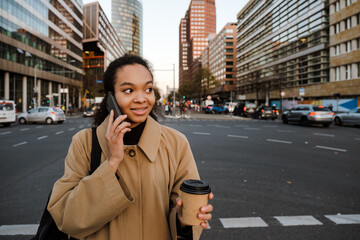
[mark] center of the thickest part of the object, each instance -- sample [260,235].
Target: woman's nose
[140,98]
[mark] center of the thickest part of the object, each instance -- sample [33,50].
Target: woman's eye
[128,90]
[149,90]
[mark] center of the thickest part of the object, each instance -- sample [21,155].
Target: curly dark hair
[109,80]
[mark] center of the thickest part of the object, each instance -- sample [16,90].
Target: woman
[134,193]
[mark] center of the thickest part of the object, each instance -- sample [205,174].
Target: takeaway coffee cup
[194,196]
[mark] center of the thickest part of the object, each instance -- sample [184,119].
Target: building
[199,22]
[41,53]
[345,51]
[283,53]
[127,20]
[222,63]
[101,46]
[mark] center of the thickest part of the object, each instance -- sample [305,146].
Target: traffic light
[183,97]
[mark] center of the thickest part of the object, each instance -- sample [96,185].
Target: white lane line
[252,128]
[324,135]
[245,222]
[201,133]
[344,218]
[70,129]
[278,141]
[42,137]
[39,127]
[24,229]
[357,139]
[24,129]
[81,126]
[331,148]
[286,131]
[59,132]
[19,144]
[3,133]
[237,136]
[195,125]
[270,126]
[298,220]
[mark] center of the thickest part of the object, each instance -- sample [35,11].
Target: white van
[7,112]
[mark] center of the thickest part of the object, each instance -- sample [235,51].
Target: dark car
[307,114]
[216,109]
[265,112]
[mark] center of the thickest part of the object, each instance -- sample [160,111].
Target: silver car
[352,117]
[306,114]
[46,115]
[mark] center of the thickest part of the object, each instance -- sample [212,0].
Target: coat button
[132,153]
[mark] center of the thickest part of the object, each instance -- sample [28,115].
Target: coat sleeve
[184,168]
[80,203]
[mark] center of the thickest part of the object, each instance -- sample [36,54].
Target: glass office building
[282,46]
[127,20]
[41,52]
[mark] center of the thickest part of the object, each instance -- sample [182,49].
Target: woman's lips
[139,111]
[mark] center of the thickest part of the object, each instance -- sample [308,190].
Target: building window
[337,6]
[348,71]
[337,28]
[337,74]
[337,49]
[348,46]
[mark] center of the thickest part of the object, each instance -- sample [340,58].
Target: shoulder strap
[95,151]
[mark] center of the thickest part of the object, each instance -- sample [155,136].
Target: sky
[161,19]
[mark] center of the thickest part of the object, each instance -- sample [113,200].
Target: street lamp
[168,70]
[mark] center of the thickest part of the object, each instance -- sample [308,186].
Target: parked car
[8,112]
[216,109]
[351,117]
[265,112]
[89,112]
[307,114]
[46,115]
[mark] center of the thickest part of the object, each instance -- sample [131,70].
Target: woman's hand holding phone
[115,139]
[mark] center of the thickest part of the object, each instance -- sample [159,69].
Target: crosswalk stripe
[344,218]
[245,222]
[24,229]
[298,220]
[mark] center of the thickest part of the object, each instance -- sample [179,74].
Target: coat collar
[149,141]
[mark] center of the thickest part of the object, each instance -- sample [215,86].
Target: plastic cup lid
[193,186]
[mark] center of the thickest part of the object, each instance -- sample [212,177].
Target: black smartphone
[111,104]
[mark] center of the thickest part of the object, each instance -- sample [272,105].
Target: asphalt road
[270,180]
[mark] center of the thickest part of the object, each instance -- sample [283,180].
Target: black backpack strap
[95,151]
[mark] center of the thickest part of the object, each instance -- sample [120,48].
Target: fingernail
[203,209]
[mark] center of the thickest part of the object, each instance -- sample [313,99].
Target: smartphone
[111,104]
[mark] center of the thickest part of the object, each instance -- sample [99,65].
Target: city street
[270,180]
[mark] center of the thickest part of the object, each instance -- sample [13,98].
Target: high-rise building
[283,52]
[199,22]
[345,48]
[41,52]
[127,20]
[101,46]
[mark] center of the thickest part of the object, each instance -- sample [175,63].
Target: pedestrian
[166,109]
[134,193]
[331,107]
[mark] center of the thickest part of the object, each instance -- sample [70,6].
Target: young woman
[134,193]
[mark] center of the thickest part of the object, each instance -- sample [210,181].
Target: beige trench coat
[138,206]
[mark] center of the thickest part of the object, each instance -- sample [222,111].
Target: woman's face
[134,92]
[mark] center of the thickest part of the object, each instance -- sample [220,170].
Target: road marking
[42,137]
[201,133]
[59,132]
[298,220]
[195,125]
[81,126]
[24,129]
[3,133]
[19,144]
[219,126]
[278,141]
[241,125]
[344,218]
[252,128]
[286,131]
[23,229]
[357,139]
[270,126]
[70,129]
[324,135]
[39,126]
[331,148]
[237,136]
[245,222]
